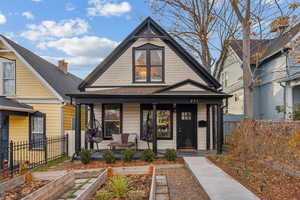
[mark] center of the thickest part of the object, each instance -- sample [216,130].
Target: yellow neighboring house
[33,103]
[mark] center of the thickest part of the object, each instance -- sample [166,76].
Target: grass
[50,164]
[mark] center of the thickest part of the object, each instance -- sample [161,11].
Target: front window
[37,130]
[9,79]
[111,120]
[164,121]
[148,64]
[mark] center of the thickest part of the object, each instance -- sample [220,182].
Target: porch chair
[94,135]
[124,140]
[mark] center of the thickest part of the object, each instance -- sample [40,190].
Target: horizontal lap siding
[69,113]
[27,84]
[18,128]
[120,72]
[53,117]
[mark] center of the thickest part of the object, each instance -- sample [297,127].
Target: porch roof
[147,95]
[8,104]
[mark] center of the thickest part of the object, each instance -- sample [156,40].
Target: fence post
[67,144]
[45,149]
[11,158]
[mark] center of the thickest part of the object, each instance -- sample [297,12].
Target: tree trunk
[247,74]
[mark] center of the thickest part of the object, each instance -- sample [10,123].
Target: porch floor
[97,155]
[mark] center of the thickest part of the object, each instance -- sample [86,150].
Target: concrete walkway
[217,184]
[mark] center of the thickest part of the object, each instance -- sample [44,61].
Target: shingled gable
[149,29]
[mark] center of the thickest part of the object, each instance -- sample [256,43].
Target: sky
[83,32]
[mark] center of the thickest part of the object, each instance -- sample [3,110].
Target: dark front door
[186,126]
[4,138]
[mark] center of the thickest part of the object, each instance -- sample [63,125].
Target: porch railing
[20,156]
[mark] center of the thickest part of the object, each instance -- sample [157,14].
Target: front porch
[177,117]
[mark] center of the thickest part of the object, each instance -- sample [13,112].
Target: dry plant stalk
[272,141]
[109,172]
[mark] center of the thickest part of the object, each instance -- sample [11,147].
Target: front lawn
[265,182]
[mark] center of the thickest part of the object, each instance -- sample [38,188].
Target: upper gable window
[148,64]
[8,71]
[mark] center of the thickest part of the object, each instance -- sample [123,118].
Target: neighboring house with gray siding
[277,76]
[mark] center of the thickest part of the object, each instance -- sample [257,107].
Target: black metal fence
[24,155]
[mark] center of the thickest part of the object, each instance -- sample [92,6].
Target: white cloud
[107,8]
[82,52]
[91,46]
[2,19]
[47,30]
[28,15]
[36,0]
[70,7]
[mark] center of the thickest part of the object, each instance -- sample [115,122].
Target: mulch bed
[267,183]
[22,190]
[68,165]
[136,183]
[182,185]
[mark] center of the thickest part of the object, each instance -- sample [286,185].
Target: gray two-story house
[276,76]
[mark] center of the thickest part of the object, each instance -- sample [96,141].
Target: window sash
[149,66]
[112,121]
[37,132]
[163,131]
[9,84]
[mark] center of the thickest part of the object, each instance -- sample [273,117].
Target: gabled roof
[57,81]
[186,82]
[268,47]
[149,28]
[14,105]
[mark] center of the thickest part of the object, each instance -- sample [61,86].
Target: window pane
[8,70]
[9,87]
[164,124]
[140,57]
[111,127]
[147,124]
[140,73]
[112,112]
[156,57]
[112,119]
[156,73]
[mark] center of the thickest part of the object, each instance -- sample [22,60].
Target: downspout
[284,86]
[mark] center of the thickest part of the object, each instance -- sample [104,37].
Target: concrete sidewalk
[217,184]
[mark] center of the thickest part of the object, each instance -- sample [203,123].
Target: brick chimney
[63,66]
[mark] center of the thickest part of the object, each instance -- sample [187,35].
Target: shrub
[109,156]
[128,155]
[104,196]
[118,186]
[148,155]
[136,195]
[85,156]
[171,155]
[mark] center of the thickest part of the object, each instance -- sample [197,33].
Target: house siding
[69,114]
[120,72]
[131,124]
[269,94]
[27,84]
[18,128]
[232,67]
